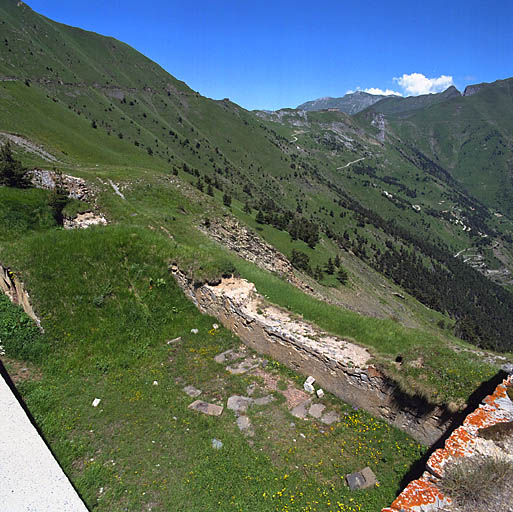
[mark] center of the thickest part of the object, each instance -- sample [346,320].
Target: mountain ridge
[319,177]
[350,103]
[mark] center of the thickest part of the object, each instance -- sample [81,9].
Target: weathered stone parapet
[11,285]
[338,365]
[425,494]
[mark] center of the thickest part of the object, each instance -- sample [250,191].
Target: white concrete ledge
[31,480]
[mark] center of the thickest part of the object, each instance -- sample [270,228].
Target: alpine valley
[383,221]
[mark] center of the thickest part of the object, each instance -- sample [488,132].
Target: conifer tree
[12,173]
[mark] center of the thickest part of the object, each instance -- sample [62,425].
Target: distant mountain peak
[472,89]
[351,103]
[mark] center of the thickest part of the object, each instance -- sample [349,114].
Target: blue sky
[269,55]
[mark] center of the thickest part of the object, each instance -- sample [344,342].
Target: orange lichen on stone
[500,392]
[484,416]
[421,495]
[459,444]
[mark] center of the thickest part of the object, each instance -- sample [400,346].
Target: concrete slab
[301,410]
[361,479]
[206,408]
[330,417]
[31,480]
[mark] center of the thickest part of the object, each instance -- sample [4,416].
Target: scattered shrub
[475,481]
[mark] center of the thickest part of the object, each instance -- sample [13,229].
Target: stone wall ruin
[339,366]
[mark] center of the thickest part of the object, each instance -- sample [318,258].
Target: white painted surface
[31,480]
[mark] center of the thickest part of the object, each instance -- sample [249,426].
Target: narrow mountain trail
[29,146]
[351,163]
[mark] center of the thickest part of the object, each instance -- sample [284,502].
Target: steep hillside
[471,137]
[397,106]
[340,221]
[323,184]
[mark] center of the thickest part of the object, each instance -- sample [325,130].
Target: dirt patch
[292,394]
[20,371]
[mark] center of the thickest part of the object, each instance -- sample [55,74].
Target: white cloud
[415,84]
[386,92]
[375,90]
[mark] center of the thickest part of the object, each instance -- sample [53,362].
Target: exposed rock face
[472,89]
[28,145]
[425,494]
[11,285]
[338,366]
[233,235]
[84,220]
[75,187]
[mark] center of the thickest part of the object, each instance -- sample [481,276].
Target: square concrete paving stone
[301,410]
[206,408]
[361,479]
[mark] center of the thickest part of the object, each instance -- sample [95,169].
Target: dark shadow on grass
[5,375]
[455,421]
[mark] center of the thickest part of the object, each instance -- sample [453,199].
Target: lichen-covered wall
[11,285]
[425,494]
[338,365]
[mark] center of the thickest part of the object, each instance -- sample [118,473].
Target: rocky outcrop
[12,286]
[338,365]
[248,245]
[28,146]
[472,89]
[76,188]
[425,494]
[84,220]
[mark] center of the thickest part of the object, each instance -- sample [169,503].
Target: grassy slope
[106,330]
[106,327]
[471,136]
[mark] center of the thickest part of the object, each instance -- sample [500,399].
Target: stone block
[330,417]
[265,400]
[239,404]
[244,425]
[301,410]
[206,408]
[308,388]
[316,410]
[361,479]
[192,391]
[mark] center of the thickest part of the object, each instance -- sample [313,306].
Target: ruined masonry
[424,494]
[337,365]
